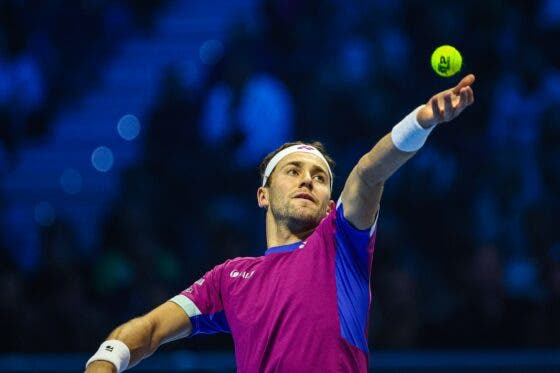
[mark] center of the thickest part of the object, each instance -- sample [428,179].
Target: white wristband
[408,135]
[113,351]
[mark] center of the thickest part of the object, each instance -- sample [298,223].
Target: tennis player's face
[299,191]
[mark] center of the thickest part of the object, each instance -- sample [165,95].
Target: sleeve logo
[241,274]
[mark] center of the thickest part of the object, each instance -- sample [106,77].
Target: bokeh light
[128,127]
[102,159]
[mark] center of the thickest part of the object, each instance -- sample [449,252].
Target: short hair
[316,144]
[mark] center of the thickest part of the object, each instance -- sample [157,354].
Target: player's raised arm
[139,338]
[364,186]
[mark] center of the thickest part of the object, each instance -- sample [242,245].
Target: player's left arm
[363,188]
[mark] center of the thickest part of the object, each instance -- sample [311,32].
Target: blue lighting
[44,214]
[128,127]
[191,74]
[102,159]
[211,51]
[71,181]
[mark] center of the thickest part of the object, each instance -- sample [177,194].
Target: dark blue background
[100,222]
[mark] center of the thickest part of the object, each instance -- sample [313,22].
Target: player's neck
[279,234]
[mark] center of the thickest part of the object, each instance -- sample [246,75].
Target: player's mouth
[306,196]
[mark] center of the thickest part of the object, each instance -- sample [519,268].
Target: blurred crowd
[468,254]
[51,54]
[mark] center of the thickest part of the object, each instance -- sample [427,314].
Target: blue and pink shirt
[301,307]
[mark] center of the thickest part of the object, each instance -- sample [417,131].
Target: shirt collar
[284,248]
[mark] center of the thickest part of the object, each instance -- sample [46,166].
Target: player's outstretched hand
[447,104]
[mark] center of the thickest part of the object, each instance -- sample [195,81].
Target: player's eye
[292,172]
[320,178]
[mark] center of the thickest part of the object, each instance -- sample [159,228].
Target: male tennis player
[303,306]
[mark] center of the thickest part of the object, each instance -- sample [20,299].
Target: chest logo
[241,274]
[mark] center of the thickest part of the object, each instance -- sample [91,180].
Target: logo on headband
[306,147]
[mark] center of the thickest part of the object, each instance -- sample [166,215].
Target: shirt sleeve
[202,302]
[353,263]
[357,244]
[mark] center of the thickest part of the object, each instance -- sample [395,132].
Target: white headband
[298,148]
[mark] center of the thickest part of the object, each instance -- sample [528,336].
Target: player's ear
[262,197]
[331,206]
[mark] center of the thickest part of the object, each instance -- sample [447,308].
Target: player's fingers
[458,101]
[466,99]
[448,107]
[466,96]
[470,95]
[436,109]
[465,82]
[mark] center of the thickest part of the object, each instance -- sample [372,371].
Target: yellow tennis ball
[446,60]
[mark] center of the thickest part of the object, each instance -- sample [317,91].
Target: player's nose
[306,180]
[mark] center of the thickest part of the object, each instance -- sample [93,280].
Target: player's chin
[302,206]
[308,214]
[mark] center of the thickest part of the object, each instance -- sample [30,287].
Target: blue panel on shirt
[283,248]
[210,324]
[352,280]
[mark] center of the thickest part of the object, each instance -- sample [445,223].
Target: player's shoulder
[238,263]
[243,261]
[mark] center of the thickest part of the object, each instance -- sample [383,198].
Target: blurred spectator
[488,317]
[546,325]
[399,325]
